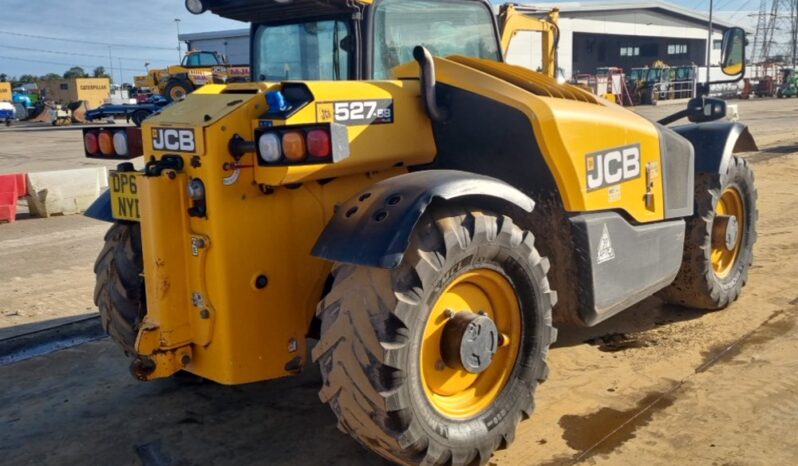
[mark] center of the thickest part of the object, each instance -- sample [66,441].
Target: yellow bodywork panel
[405,142]
[202,274]
[570,132]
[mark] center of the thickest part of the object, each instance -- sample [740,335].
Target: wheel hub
[469,341]
[727,231]
[724,231]
[464,370]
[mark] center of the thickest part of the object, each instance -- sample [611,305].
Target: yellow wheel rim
[723,258]
[177,92]
[457,393]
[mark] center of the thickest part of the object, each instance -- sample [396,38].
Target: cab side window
[444,27]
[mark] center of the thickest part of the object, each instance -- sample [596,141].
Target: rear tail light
[269,147]
[120,143]
[112,143]
[306,144]
[90,143]
[294,146]
[319,143]
[106,139]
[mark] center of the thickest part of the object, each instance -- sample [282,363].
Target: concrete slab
[65,191]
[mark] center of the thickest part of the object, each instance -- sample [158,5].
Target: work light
[196,7]
[120,143]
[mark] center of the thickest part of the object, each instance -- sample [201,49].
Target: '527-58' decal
[356,112]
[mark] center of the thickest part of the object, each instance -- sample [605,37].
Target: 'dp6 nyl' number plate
[124,196]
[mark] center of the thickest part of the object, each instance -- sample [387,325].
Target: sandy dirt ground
[47,270]
[656,384]
[32,147]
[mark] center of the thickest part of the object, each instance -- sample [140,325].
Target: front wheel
[719,240]
[177,89]
[438,360]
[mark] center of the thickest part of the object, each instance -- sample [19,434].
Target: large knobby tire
[383,329]
[177,89]
[139,116]
[712,274]
[119,290]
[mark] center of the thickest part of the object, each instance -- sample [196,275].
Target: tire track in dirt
[608,429]
[733,409]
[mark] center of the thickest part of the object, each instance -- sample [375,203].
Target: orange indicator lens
[294,146]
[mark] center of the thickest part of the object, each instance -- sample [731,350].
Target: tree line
[74,72]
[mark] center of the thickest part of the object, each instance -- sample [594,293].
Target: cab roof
[271,11]
[262,11]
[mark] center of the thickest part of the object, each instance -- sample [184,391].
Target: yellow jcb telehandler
[197,69]
[390,188]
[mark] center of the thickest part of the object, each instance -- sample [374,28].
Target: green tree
[3,77]
[26,78]
[99,72]
[75,72]
[50,77]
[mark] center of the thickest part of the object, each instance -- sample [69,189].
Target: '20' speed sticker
[356,112]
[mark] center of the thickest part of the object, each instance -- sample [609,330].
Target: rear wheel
[437,361]
[119,290]
[719,240]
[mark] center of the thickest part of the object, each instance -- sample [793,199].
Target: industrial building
[234,44]
[625,35]
[592,35]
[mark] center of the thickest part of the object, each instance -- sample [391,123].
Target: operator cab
[200,60]
[340,40]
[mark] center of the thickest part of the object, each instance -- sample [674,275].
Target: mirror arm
[675,117]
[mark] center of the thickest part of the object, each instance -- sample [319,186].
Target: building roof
[227,34]
[660,6]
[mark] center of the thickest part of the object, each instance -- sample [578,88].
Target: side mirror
[702,109]
[732,52]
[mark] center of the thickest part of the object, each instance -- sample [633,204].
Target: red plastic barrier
[8,207]
[22,184]
[12,187]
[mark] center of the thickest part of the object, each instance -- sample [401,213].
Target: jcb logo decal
[181,140]
[612,166]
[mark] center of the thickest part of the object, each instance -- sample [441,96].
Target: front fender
[715,142]
[100,209]
[374,227]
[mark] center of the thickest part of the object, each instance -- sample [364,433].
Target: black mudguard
[100,209]
[715,143]
[374,227]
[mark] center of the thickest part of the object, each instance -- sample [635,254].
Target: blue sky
[146,32]
[141,32]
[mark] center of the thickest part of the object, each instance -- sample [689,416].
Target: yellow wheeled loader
[389,189]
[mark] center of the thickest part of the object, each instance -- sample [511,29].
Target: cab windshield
[444,27]
[200,59]
[313,50]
